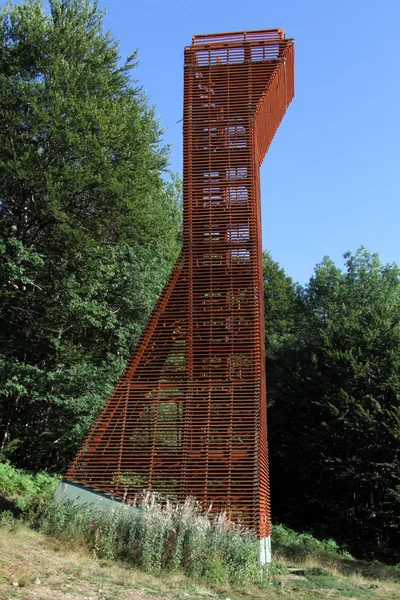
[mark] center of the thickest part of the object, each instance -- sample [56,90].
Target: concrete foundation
[69,492]
[264,550]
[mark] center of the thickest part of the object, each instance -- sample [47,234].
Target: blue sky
[330,181]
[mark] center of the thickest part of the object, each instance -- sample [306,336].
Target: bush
[160,536]
[7,520]
[294,545]
[27,491]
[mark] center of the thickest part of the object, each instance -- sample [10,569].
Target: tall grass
[160,536]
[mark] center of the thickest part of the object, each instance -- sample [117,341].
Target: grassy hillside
[34,566]
[50,551]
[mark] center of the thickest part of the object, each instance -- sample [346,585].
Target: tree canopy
[82,196]
[334,419]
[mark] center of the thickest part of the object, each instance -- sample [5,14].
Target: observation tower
[188,415]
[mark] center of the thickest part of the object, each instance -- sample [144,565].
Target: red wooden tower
[188,416]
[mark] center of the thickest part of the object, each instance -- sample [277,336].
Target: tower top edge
[257,35]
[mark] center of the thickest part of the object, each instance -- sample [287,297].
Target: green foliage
[25,490]
[281,302]
[7,520]
[296,545]
[160,536]
[283,317]
[334,425]
[82,254]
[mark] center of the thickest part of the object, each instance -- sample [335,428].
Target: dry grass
[36,567]
[364,579]
[341,566]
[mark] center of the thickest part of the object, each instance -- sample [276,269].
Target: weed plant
[24,489]
[160,536]
[7,520]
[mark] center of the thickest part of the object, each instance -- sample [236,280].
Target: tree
[283,315]
[82,196]
[334,429]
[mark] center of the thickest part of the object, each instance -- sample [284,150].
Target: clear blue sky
[330,181]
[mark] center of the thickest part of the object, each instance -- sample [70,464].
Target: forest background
[90,226]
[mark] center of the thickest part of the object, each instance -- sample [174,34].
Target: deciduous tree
[88,227]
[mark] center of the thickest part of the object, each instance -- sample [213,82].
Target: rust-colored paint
[188,416]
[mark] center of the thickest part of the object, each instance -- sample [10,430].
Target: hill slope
[37,567]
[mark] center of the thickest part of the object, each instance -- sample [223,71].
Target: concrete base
[264,550]
[73,492]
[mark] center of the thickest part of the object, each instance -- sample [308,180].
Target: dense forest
[333,375]
[90,226]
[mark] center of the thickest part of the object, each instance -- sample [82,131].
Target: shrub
[27,491]
[294,544]
[7,520]
[160,536]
